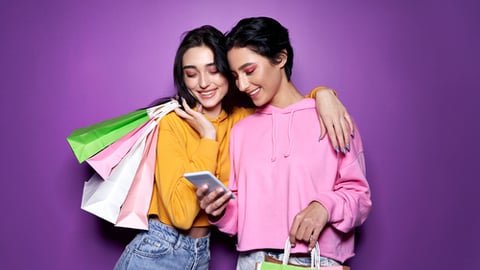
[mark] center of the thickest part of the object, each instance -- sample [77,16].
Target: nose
[204,81]
[242,83]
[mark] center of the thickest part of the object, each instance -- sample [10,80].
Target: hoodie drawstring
[290,135]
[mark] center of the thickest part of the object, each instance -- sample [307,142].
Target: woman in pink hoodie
[287,183]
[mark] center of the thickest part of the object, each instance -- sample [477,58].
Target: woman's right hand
[213,203]
[197,120]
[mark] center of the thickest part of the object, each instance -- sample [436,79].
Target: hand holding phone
[205,177]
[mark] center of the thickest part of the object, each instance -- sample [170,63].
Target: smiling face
[256,75]
[203,79]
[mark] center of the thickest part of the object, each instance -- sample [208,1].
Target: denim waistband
[177,239]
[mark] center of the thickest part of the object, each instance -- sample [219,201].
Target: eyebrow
[194,67]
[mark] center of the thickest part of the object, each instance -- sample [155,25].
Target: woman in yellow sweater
[198,139]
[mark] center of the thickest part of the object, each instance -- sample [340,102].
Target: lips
[207,93]
[254,92]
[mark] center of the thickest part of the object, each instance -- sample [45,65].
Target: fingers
[308,224]
[333,137]
[293,232]
[200,108]
[218,207]
[202,192]
[322,129]
[215,202]
[182,114]
[340,134]
[313,239]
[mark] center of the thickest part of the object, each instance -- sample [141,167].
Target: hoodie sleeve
[228,223]
[349,204]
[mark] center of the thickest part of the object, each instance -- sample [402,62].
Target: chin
[258,103]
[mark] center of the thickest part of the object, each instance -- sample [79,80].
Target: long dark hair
[265,36]
[212,38]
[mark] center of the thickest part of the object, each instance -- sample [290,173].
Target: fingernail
[320,138]
[337,149]
[348,147]
[353,134]
[344,151]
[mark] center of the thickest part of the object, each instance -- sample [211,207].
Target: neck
[286,96]
[213,112]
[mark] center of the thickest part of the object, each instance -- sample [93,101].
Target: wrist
[320,90]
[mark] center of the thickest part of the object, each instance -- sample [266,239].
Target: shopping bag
[134,211]
[273,264]
[104,198]
[104,161]
[87,141]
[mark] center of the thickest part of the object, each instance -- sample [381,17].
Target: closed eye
[249,70]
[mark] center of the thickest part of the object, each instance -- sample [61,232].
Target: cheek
[221,82]
[191,83]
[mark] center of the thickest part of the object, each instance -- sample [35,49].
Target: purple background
[407,71]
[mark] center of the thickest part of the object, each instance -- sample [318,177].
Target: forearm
[173,160]
[349,203]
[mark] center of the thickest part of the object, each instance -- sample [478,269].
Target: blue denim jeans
[248,260]
[162,247]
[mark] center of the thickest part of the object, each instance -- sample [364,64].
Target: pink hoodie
[278,167]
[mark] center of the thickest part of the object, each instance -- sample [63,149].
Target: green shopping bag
[271,263]
[87,141]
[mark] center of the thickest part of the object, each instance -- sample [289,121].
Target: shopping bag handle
[162,109]
[315,255]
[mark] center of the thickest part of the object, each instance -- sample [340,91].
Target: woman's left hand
[334,120]
[308,224]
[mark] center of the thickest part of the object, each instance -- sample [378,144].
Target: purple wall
[405,69]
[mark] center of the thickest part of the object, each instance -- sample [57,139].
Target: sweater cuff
[313,93]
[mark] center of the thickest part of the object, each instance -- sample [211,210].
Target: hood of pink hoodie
[290,110]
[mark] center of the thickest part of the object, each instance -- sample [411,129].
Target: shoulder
[240,113]
[250,122]
[171,120]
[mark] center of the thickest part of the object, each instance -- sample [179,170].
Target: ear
[281,58]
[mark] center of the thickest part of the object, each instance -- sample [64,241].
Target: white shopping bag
[104,198]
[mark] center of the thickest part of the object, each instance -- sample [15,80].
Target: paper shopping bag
[104,161]
[271,263]
[104,198]
[87,141]
[134,211]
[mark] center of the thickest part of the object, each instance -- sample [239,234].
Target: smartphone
[206,177]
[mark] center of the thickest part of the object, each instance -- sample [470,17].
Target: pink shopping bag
[104,161]
[134,211]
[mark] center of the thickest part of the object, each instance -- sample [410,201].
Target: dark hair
[264,36]
[212,38]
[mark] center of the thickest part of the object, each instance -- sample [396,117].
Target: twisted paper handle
[315,255]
